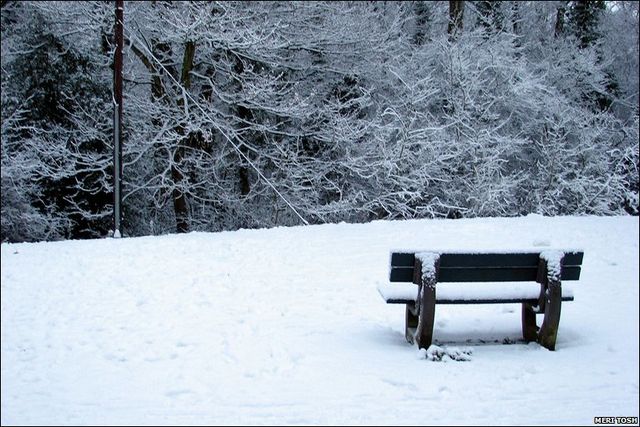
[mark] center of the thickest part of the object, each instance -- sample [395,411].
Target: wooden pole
[117,120]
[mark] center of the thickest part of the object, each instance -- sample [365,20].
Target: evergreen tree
[583,21]
[56,96]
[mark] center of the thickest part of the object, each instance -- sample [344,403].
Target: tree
[456,18]
[55,153]
[254,114]
[583,19]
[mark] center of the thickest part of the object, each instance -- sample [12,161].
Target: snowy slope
[286,326]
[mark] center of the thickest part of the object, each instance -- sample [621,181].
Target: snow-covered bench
[533,279]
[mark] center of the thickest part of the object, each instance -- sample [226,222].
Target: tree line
[257,114]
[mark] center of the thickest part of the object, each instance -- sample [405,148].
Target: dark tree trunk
[179,198]
[456,15]
[423,17]
[515,9]
[159,94]
[244,114]
[491,16]
[559,29]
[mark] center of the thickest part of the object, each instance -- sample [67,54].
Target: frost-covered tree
[584,20]
[267,102]
[55,152]
[253,114]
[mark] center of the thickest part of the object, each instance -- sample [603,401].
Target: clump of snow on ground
[436,353]
[285,326]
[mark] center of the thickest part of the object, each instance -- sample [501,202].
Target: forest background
[352,111]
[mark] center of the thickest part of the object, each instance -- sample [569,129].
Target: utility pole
[117,120]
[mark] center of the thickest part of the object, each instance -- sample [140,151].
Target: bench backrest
[488,267]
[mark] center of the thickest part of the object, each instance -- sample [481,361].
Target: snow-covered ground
[286,326]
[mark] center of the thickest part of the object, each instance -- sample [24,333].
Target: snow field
[285,326]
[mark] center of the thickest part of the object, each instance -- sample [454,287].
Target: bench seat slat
[483,274]
[469,293]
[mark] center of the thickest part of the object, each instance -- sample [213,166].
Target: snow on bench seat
[469,292]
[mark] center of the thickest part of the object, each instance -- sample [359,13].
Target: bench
[532,279]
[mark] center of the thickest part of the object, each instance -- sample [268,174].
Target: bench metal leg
[424,333]
[411,323]
[529,327]
[549,276]
[549,328]
[426,277]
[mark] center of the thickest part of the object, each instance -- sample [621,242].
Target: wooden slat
[399,259]
[494,301]
[489,260]
[476,301]
[570,272]
[499,274]
[479,274]
[573,258]
[486,260]
[401,274]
